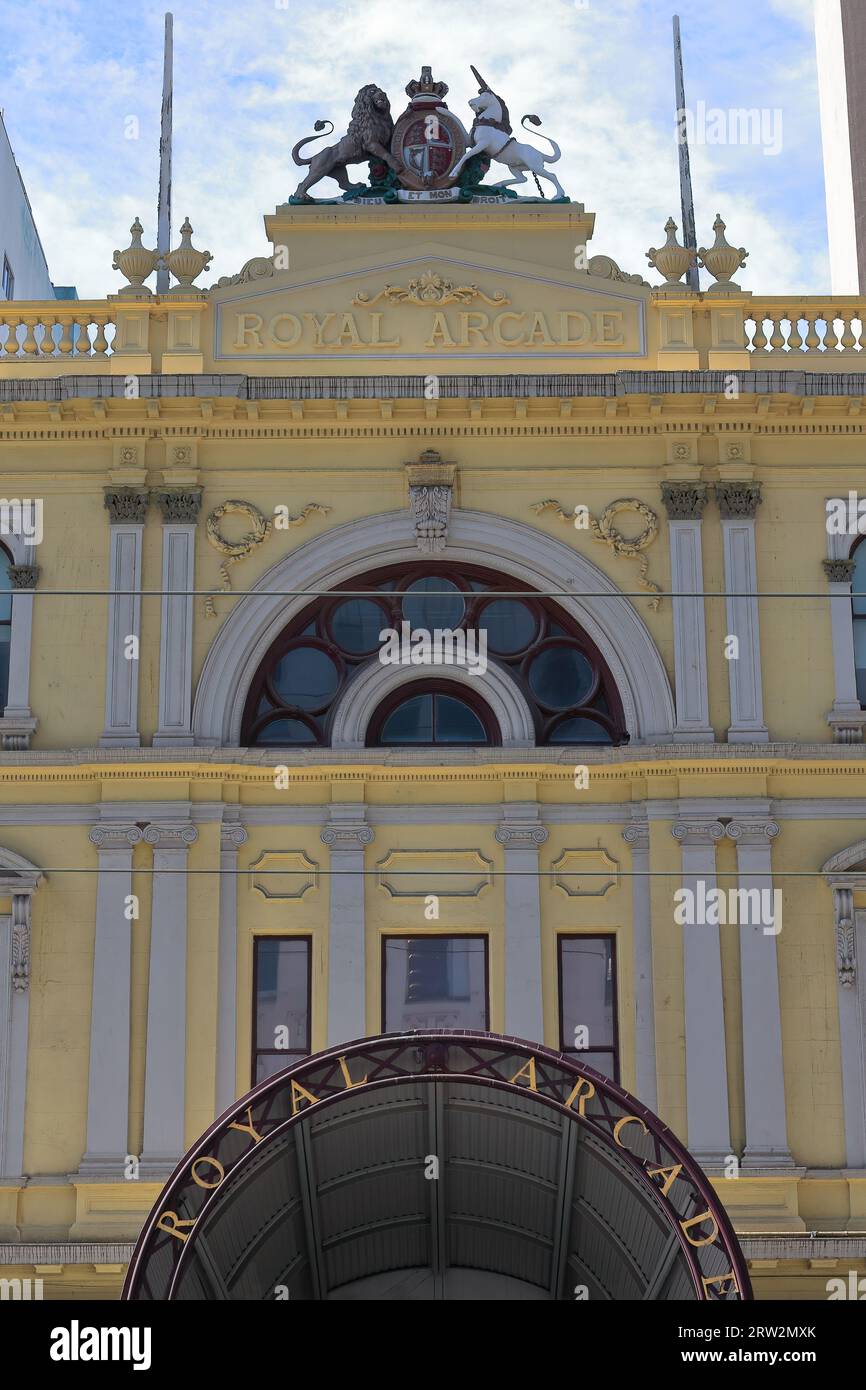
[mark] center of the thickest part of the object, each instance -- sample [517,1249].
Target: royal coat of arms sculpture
[428,155]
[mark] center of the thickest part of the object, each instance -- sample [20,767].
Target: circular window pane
[356,625]
[455,722]
[510,625]
[422,609]
[285,731]
[579,731]
[305,677]
[411,722]
[560,677]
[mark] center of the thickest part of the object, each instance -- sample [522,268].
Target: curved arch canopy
[438,1165]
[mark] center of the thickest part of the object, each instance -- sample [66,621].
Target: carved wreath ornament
[602,529]
[262,528]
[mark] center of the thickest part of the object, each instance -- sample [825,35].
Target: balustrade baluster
[64,345]
[777,337]
[29,346]
[46,347]
[82,346]
[100,343]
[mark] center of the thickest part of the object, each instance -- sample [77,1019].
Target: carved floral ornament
[431,288]
[262,528]
[602,529]
[845,874]
[431,486]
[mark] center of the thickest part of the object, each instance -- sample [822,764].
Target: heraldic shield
[428,139]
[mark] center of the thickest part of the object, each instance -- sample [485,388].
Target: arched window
[556,667]
[5,624]
[431,712]
[858,606]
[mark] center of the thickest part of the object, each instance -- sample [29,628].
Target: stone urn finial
[136,262]
[185,263]
[672,259]
[721,260]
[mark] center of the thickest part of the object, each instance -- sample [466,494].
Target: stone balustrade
[776,327]
[684,331]
[57,328]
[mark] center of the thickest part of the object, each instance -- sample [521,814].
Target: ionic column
[180,509]
[709,1137]
[685,504]
[763,1072]
[127,507]
[108,1077]
[637,836]
[849,925]
[23,580]
[522,833]
[165,1059]
[232,836]
[346,835]
[738,504]
[14,1024]
[846,717]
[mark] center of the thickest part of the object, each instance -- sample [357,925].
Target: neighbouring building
[23,268]
[840,30]
[433,627]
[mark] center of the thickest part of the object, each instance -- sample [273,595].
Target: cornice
[243,767]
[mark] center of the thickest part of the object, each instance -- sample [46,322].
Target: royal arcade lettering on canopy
[584,1095]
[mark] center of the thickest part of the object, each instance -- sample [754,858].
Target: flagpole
[163,237]
[686,199]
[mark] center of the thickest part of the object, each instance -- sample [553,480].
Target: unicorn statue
[491,135]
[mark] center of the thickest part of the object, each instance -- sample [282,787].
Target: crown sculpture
[428,155]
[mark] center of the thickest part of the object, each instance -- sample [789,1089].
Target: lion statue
[368,137]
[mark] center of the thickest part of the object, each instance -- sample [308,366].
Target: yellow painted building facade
[402,388]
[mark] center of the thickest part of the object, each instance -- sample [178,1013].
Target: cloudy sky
[252,75]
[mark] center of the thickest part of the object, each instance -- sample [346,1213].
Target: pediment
[848,861]
[434,300]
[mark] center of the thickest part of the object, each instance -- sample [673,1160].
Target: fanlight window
[308,668]
[5,624]
[858,605]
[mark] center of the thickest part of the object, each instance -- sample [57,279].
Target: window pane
[605,1062]
[586,974]
[560,677]
[282,993]
[456,722]
[445,612]
[283,731]
[579,731]
[356,624]
[510,625]
[269,1063]
[858,579]
[411,722]
[305,677]
[5,634]
[435,982]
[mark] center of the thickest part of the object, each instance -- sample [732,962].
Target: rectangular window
[8,280]
[281,1003]
[434,982]
[587,1001]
